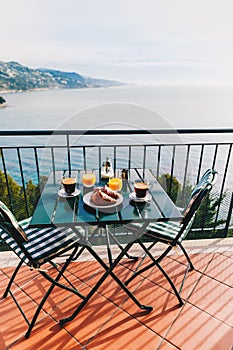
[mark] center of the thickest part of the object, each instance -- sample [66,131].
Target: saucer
[63,194]
[134,198]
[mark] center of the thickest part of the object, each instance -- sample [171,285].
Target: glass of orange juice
[88,178]
[115,183]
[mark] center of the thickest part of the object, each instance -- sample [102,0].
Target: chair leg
[138,271]
[155,262]
[12,278]
[73,259]
[171,284]
[191,267]
[54,282]
[135,258]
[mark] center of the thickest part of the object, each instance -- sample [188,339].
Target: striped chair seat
[167,231]
[42,243]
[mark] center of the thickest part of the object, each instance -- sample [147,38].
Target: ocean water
[177,107]
[129,106]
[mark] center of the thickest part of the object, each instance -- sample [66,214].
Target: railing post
[229,215]
[68,153]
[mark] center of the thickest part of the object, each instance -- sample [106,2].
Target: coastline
[28,90]
[62,88]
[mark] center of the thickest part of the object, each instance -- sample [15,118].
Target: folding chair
[172,233]
[35,247]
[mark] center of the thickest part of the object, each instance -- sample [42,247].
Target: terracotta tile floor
[112,321]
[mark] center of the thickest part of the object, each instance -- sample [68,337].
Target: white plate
[87,200]
[63,194]
[134,198]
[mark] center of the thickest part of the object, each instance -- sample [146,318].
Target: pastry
[104,196]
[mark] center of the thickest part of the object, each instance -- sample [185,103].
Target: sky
[137,41]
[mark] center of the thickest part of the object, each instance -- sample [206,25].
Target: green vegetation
[17,199]
[173,187]
[205,216]
[17,77]
[230,233]
[17,196]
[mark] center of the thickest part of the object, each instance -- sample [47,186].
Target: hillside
[15,77]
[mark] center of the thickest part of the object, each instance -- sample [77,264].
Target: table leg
[108,246]
[109,271]
[135,258]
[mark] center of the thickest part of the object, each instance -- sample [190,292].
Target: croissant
[104,196]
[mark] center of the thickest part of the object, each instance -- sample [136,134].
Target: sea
[122,107]
[178,106]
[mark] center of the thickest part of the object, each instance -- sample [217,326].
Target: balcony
[112,321]
[204,321]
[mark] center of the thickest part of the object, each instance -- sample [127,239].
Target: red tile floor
[112,321]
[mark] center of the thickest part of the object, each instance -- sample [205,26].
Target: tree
[14,189]
[17,196]
[205,216]
[33,193]
[171,187]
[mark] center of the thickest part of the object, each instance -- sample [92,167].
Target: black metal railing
[177,158]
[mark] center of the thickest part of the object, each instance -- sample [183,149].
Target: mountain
[15,77]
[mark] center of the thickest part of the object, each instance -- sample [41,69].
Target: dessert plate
[87,200]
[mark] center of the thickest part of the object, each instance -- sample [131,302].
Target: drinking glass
[88,178]
[115,183]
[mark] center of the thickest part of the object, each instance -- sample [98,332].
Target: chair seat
[165,231]
[43,243]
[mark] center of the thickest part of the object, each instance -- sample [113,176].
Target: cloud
[128,38]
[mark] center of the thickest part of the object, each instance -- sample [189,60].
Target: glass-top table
[122,225]
[55,210]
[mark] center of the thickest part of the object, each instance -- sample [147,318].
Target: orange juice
[115,184]
[88,179]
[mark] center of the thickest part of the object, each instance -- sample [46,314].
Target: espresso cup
[141,188]
[69,184]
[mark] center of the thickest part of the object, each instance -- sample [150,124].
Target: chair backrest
[201,190]
[12,233]
[208,178]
